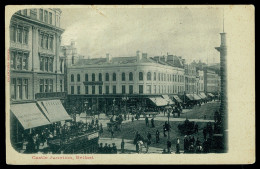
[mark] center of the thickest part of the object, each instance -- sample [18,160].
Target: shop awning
[168,99]
[203,95]
[158,101]
[177,98]
[29,115]
[190,96]
[54,110]
[196,97]
[210,94]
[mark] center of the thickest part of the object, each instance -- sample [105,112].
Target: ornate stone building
[35,66]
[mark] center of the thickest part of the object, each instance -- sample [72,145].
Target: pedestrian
[178,146]
[109,149]
[157,136]
[96,121]
[137,147]
[122,146]
[196,128]
[205,133]
[146,121]
[149,136]
[132,118]
[100,148]
[114,149]
[105,149]
[152,122]
[112,133]
[147,146]
[169,144]
[185,144]
[164,130]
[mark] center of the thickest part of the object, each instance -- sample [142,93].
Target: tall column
[223,76]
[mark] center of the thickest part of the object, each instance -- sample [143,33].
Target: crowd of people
[64,132]
[107,149]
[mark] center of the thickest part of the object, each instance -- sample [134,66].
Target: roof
[123,60]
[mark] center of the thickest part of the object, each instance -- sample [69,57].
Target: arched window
[93,77]
[123,76]
[114,76]
[72,78]
[86,77]
[154,76]
[130,76]
[100,77]
[141,76]
[107,77]
[78,77]
[149,76]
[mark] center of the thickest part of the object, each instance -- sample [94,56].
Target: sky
[192,33]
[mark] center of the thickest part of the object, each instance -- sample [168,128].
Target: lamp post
[125,99]
[86,108]
[168,119]
[114,106]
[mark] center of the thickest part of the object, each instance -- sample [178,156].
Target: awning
[196,97]
[210,94]
[54,110]
[190,96]
[177,98]
[167,98]
[29,115]
[158,101]
[203,95]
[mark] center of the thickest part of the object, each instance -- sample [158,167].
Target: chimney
[169,58]
[156,58]
[144,55]
[108,57]
[162,58]
[72,43]
[138,55]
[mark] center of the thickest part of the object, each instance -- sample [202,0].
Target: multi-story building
[211,79]
[35,67]
[68,56]
[190,79]
[201,81]
[101,80]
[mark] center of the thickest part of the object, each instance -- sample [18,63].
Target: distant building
[201,81]
[101,80]
[69,56]
[190,79]
[211,80]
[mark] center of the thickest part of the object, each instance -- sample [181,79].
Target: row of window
[46,41]
[46,63]
[19,34]
[156,89]
[19,88]
[19,60]
[161,77]
[44,16]
[46,85]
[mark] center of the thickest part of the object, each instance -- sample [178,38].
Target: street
[129,129]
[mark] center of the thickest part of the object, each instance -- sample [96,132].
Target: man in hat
[157,136]
[122,146]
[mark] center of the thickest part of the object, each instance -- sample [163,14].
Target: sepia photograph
[96,80]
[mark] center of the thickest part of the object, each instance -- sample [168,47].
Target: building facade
[135,76]
[190,79]
[35,73]
[211,80]
[68,56]
[201,81]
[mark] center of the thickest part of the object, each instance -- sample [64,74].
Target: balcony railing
[50,95]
